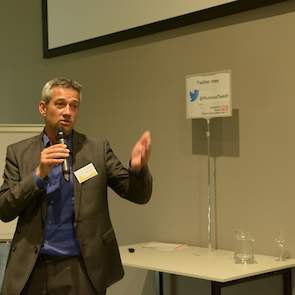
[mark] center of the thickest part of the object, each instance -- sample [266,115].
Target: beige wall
[140,84]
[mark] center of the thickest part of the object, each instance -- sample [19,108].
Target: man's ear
[42,108]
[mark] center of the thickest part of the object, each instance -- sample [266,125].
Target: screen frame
[160,26]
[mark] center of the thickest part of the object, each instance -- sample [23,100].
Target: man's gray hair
[59,82]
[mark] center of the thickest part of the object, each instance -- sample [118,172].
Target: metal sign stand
[209,187]
[208,95]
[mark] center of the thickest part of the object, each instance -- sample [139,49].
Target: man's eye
[74,106]
[59,104]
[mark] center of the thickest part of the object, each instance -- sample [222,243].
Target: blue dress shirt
[59,232]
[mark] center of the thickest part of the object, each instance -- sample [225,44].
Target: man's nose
[67,110]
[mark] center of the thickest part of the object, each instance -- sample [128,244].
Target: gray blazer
[20,197]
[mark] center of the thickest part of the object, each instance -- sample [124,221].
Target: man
[64,242]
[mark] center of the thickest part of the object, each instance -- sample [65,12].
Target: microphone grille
[59,133]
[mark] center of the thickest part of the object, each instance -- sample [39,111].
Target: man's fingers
[146,138]
[58,151]
[141,151]
[51,162]
[56,155]
[56,146]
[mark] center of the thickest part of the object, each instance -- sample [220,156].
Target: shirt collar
[69,140]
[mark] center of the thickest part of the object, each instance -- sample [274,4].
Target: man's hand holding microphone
[54,155]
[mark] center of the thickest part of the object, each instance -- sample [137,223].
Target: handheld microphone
[60,136]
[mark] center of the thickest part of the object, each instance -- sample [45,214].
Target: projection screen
[73,25]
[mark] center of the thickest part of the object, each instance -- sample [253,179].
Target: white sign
[208,95]
[85,173]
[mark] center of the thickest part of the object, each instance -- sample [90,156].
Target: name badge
[85,173]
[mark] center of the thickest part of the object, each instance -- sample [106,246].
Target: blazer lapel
[77,164]
[36,151]
[35,162]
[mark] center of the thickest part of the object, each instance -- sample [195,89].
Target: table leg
[159,283]
[215,288]
[287,281]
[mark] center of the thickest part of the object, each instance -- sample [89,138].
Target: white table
[216,266]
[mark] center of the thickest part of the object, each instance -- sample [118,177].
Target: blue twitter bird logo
[194,95]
